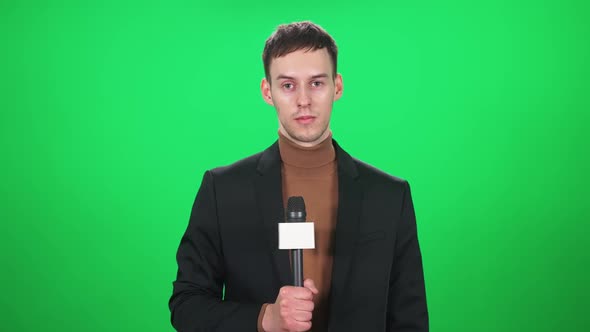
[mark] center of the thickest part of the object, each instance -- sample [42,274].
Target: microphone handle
[297,267]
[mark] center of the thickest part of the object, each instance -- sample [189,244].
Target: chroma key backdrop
[110,112]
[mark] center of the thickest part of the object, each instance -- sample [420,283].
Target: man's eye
[288,86]
[316,83]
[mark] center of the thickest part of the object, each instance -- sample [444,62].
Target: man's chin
[307,139]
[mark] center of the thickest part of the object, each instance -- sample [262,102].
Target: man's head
[301,81]
[298,36]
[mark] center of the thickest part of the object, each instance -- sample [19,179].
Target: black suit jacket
[232,241]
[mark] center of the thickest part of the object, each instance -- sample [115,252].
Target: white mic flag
[296,235]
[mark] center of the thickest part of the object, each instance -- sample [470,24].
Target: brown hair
[296,36]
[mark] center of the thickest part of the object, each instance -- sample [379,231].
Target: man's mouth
[305,119]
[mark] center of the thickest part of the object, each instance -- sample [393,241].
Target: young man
[365,273]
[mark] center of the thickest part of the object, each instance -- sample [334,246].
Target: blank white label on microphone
[296,235]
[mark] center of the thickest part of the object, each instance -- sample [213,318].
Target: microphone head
[296,209]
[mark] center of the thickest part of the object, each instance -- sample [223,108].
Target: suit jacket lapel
[270,204]
[347,224]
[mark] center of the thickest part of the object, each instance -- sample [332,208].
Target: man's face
[302,89]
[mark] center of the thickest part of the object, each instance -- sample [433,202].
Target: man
[365,273]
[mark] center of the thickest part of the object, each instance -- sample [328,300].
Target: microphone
[296,213]
[296,234]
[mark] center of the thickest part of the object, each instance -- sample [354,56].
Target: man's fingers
[303,305]
[302,316]
[309,284]
[300,293]
[292,305]
[292,310]
[303,293]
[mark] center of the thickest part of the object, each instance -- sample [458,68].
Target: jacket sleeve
[196,303]
[407,310]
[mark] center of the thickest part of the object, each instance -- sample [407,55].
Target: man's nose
[303,98]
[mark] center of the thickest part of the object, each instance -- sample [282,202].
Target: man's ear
[338,87]
[265,90]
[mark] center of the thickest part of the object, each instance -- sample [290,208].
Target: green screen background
[110,112]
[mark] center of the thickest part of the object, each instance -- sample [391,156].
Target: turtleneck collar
[299,156]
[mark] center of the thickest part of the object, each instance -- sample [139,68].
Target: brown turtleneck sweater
[311,172]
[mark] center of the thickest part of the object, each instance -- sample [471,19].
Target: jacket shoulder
[369,174]
[240,168]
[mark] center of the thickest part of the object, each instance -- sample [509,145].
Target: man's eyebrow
[320,76]
[286,77]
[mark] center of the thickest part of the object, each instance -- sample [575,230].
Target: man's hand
[292,310]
